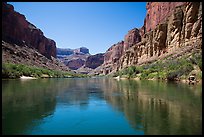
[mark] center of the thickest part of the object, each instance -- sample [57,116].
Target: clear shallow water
[100,106]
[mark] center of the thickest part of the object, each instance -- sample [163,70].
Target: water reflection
[99,106]
[24,102]
[161,108]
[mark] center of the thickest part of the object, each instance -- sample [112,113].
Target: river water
[98,106]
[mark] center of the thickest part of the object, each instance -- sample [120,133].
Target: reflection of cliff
[79,91]
[157,108]
[150,106]
[26,103]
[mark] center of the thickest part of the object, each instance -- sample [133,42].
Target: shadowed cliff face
[94,61]
[177,30]
[73,58]
[17,30]
[75,64]
[80,59]
[24,55]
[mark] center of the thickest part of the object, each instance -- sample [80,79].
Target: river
[74,106]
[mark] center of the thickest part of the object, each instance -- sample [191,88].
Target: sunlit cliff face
[170,28]
[158,11]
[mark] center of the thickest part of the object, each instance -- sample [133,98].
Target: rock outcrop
[169,28]
[94,61]
[79,59]
[132,38]
[81,50]
[64,52]
[157,13]
[16,54]
[61,52]
[74,64]
[17,30]
[114,53]
[73,58]
[180,31]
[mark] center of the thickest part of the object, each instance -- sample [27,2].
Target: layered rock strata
[80,58]
[177,31]
[17,30]
[157,13]
[94,61]
[73,58]
[16,54]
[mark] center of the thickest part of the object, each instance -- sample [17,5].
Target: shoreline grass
[168,69]
[13,71]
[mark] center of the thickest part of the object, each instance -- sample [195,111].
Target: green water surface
[100,106]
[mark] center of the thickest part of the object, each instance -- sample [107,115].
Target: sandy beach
[25,77]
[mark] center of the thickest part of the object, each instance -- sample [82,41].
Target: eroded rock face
[79,59]
[73,58]
[75,64]
[64,52]
[157,12]
[91,63]
[114,53]
[16,54]
[94,61]
[17,30]
[170,28]
[153,44]
[193,20]
[181,31]
[81,50]
[131,38]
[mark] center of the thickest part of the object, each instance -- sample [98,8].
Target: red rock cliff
[157,12]
[179,33]
[131,38]
[170,28]
[94,61]
[114,53]
[17,30]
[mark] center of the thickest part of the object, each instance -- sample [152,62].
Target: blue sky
[95,25]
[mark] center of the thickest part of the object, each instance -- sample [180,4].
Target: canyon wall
[114,53]
[73,58]
[169,28]
[157,13]
[80,58]
[17,30]
[94,61]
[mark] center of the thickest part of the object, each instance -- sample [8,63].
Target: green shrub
[197,59]
[153,75]
[10,70]
[162,75]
